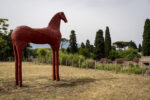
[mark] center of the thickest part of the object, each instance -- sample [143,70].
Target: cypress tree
[107,42]
[73,42]
[88,44]
[146,38]
[99,45]
[82,45]
[139,48]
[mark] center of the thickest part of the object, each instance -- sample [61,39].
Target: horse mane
[54,19]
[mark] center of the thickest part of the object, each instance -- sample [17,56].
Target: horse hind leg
[16,64]
[20,48]
[53,59]
[57,65]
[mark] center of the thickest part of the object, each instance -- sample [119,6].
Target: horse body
[35,35]
[51,35]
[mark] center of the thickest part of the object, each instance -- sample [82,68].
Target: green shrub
[83,64]
[131,65]
[114,54]
[90,63]
[100,66]
[130,54]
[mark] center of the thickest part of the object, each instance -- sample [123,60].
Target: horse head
[62,16]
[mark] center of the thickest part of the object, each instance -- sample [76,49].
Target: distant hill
[34,46]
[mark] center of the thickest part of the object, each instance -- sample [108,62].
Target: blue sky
[125,18]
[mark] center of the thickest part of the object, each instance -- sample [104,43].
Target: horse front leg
[53,62]
[57,65]
[19,51]
[16,64]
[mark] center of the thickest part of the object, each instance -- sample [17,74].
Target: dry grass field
[75,84]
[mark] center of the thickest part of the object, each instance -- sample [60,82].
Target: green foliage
[82,45]
[85,52]
[146,39]
[139,48]
[69,58]
[99,45]
[73,43]
[3,26]
[132,45]
[90,63]
[107,42]
[131,65]
[109,67]
[87,44]
[121,44]
[42,52]
[27,51]
[6,49]
[130,54]
[63,42]
[114,54]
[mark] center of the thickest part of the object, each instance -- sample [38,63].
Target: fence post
[66,62]
[86,64]
[79,63]
[72,63]
[95,64]
[142,69]
[128,68]
[116,66]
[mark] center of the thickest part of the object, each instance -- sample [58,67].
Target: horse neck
[55,23]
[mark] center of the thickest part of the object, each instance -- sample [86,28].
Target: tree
[99,45]
[113,54]
[3,26]
[129,53]
[73,43]
[82,45]
[88,44]
[4,39]
[64,41]
[27,51]
[85,52]
[139,48]
[121,44]
[107,42]
[132,45]
[42,52]
[146,38]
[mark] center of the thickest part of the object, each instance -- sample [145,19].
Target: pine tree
[107,42]
[87,44]
[139,48]
[146,38]
[73,42]
[82,45]
[99,45]
[132,44]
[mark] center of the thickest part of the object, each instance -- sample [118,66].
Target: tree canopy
[146,38]
[107,42]
[73,42]
[99,45]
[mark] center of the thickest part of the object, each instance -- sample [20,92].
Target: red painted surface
[51,35]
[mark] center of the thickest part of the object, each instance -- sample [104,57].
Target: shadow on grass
[74,82]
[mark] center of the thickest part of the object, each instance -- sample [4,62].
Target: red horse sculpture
[51,35]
